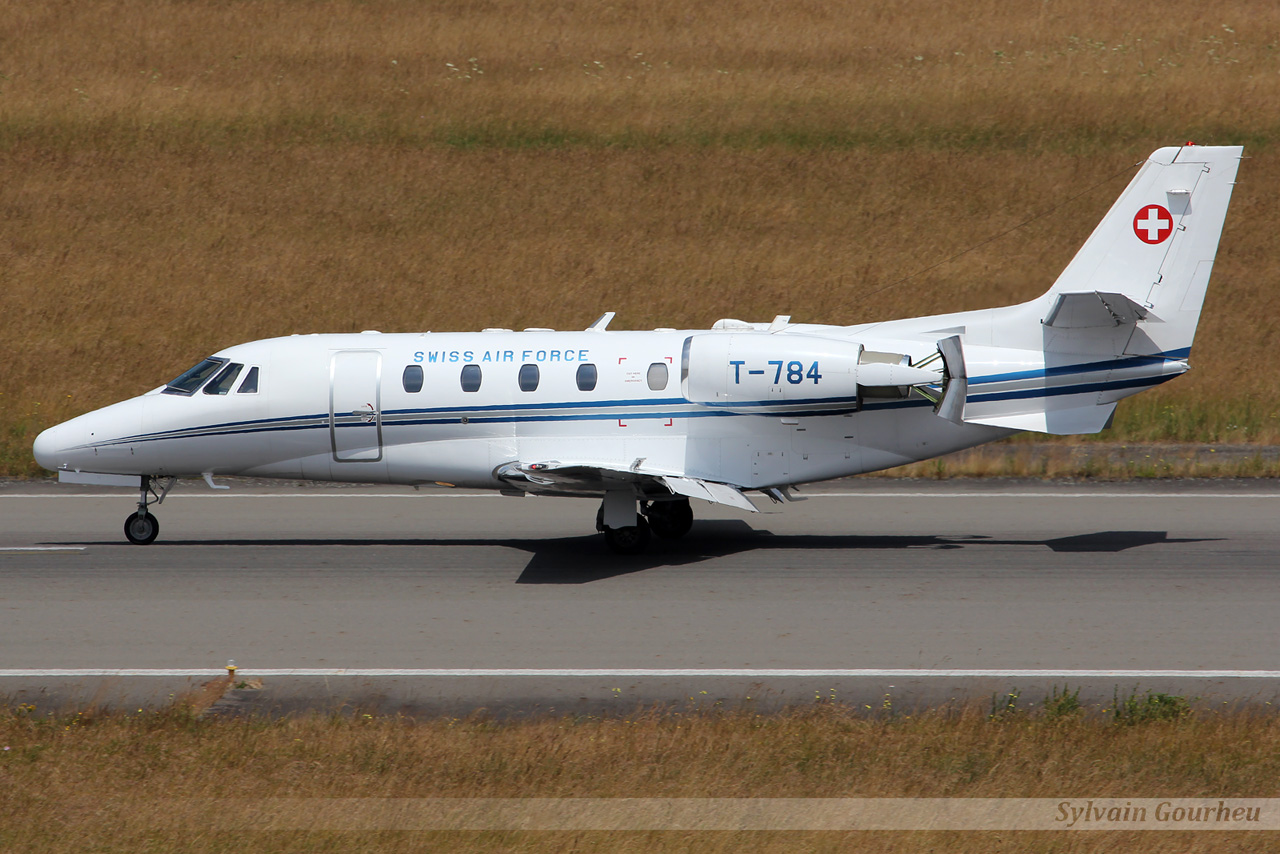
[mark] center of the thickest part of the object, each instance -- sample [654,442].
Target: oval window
[528,377]
[658,376]
[412,379]
[586,377]
[471,377]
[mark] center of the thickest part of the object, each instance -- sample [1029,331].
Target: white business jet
[647,420]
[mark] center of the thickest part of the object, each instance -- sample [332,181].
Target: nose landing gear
[142,527]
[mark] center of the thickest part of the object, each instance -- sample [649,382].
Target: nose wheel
[143,527]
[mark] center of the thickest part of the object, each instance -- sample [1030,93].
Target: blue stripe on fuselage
[555,411]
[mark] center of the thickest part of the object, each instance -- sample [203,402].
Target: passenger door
[355,406]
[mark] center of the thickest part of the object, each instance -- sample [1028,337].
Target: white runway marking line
[42,548]
[593,673]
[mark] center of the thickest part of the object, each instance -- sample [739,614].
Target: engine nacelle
[759,372]
[755,372]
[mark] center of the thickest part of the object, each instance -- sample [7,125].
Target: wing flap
[588,478]
[717,493]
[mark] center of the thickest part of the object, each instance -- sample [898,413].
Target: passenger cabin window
[412,379]
[658,376]
[586,377]
[471,377]
[528,377]
[189,383]
[250,384]
[222,383]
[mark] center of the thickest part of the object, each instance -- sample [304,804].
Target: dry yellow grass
[1080,460]
[177,177]
[119,782]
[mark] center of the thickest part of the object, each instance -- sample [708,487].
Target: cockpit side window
[222,383]
[250,384]
[190,382]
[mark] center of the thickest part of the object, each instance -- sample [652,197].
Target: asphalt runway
[426,602]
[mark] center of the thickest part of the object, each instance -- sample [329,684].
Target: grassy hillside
[178,177]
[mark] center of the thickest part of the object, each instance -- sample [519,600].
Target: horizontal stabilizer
[1092,309]
[1057,422]
[717,493]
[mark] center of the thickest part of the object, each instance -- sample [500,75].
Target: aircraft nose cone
[46,448]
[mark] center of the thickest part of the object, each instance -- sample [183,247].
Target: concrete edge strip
[642,673]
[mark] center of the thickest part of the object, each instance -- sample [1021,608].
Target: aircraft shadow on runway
[579,560]
[566,562]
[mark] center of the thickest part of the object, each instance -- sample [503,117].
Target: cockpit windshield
[222,382]
[190,382]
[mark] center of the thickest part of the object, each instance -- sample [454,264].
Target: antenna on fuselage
[602,322]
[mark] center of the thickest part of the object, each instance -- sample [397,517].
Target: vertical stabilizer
[1147,264]
[1119,319]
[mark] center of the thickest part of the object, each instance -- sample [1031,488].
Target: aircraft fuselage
[396,408]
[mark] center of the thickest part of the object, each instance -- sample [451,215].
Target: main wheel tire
[670,520]
[631,540]
[140,529]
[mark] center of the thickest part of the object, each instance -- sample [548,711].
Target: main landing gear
[142,527]
[669,520]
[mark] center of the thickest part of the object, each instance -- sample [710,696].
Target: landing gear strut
[142,527]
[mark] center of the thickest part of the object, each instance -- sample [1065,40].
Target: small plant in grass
[1005,706]
[1151,707]
[1060,705]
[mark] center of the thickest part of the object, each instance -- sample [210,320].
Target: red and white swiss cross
[1153,224]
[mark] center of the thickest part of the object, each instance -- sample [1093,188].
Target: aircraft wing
[590,479]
